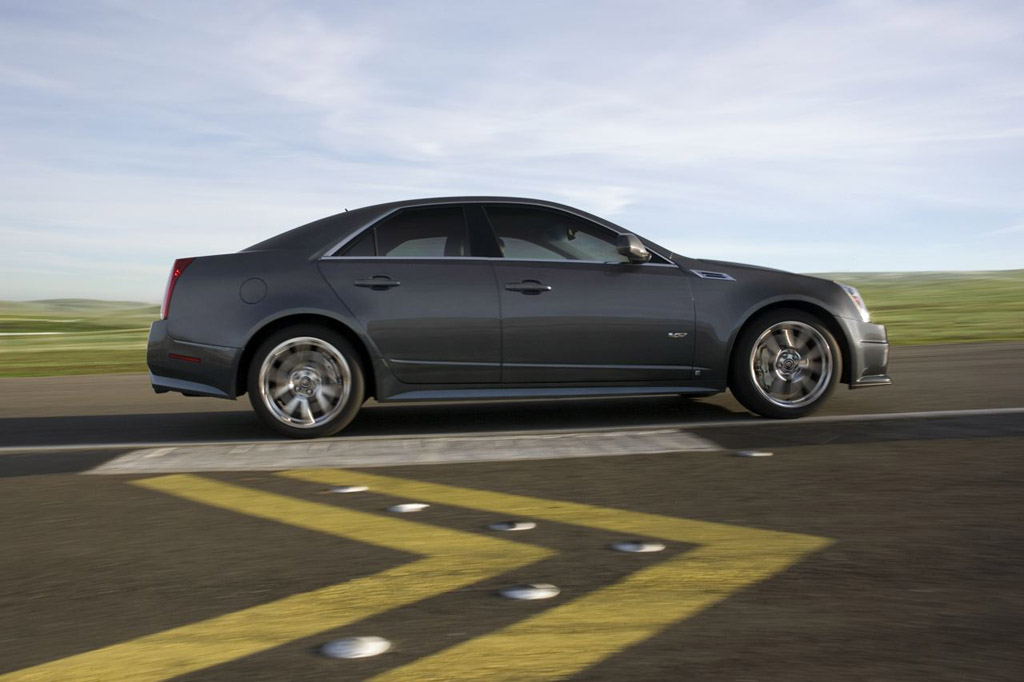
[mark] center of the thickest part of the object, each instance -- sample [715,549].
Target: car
[480,298]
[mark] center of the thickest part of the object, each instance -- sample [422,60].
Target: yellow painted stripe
[564,640]
[457,559]
[570,637]
[748,541]
[384,530]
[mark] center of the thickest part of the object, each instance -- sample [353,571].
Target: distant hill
[917,277]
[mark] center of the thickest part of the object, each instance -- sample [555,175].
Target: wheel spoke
[803,340]
[292,404]
[324,403]
[281,390]
[787,337]
[307,412]
[772,344]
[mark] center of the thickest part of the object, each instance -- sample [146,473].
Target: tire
[306,381]
[785,364]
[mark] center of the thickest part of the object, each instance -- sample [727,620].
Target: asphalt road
[917,574]
[123,408]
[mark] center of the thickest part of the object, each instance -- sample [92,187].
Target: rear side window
[432,232]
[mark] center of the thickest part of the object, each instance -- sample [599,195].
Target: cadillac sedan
[486,298]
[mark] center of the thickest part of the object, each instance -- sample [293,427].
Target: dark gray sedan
[486,297]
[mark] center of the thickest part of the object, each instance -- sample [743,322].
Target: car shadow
[374,419]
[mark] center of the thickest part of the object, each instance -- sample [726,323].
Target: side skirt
[539,392]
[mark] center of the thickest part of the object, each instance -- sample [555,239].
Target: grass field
[79,336]
[73,336]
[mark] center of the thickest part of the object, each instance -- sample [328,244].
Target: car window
[431,232]
[528,232]
[362,247]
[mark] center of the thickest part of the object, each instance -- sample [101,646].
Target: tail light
[179,267]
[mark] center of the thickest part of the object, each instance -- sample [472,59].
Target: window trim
[499,259]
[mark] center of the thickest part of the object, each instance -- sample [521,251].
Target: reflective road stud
[513,525]
[355,647]
[637,546]
[531,591]
[349,489]
[407,507]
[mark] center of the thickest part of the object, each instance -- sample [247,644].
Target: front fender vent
[709,274]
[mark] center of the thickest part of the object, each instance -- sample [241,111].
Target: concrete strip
[402,451]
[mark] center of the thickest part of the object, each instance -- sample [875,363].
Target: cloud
[146,130]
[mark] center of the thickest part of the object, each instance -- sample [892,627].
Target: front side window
[430,232]
[532,233]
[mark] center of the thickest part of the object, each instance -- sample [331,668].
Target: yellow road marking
[568,638]
[454,559]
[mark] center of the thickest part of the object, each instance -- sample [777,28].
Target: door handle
[378,283]
[528,286]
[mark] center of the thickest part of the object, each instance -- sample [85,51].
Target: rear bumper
[191,368]
[869,353]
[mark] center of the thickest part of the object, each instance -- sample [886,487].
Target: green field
[944,307]
[79,336]
[73,336]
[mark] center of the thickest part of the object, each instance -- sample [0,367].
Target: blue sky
[859,135]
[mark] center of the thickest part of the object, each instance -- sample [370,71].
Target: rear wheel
[785,364]
[306,381]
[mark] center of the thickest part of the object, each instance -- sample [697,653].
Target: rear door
[574,310]
[428,305]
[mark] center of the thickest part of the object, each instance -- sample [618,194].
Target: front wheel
[306,382]
[785,364]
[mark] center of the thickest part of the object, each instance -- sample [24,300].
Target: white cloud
[140,129]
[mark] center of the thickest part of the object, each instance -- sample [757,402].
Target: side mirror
[630,246]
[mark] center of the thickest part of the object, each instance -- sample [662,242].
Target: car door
[574,310]
[428,306]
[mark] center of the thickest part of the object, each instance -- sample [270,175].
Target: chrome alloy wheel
[791,364]
[305,382]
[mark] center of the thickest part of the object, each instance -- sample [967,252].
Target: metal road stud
[349,489]
[638,546]
[355,647]
[513,525]
[530,591]
[407,507]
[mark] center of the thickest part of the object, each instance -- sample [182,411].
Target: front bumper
[191,368]
[869,353]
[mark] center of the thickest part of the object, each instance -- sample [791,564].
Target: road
[872,545]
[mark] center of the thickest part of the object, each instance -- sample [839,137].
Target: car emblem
[676,335]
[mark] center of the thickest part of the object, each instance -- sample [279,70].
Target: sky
[812,136]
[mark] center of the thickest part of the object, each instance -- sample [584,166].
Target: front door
[573,310]
[431,311]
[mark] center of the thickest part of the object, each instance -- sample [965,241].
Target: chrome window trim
[359,231]
[499,260]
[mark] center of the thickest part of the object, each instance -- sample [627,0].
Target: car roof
[322,234]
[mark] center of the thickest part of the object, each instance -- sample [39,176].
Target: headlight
[857,301]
